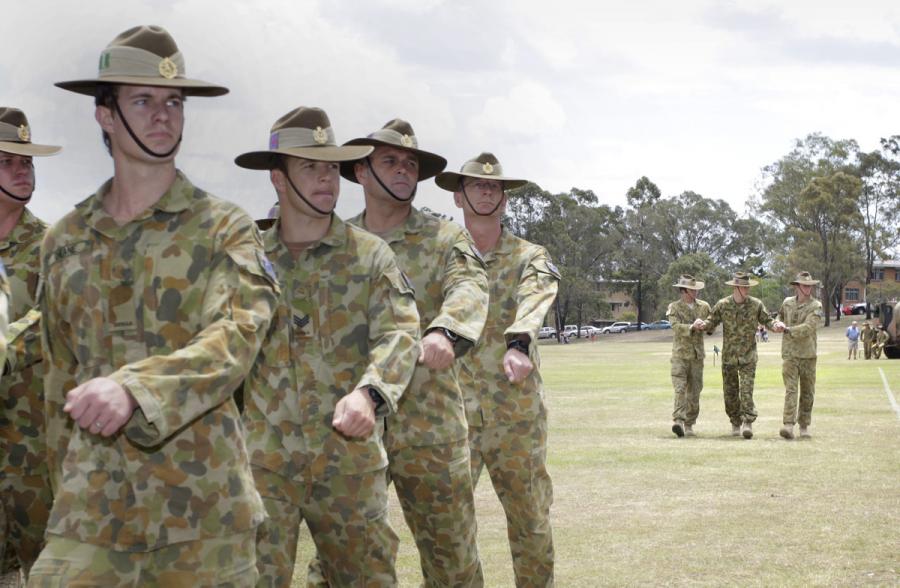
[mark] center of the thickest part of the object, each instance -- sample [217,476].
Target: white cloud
[528,110]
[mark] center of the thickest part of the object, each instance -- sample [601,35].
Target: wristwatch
[450,335]
[518,345]
[376,397]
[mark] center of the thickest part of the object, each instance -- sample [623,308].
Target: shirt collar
[335,237]
[27,229]
[180,195]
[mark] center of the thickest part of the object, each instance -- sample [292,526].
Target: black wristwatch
[518,345]
[450,335]
[376,397]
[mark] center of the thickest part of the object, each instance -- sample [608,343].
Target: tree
[879,204]
[703,268]
[580,236]
[639,260]
[812,193]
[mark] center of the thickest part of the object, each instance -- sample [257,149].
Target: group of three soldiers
[395,347]
[740,314]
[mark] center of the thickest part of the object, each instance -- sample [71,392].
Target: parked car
[570,331]
[547,333]
[589,331]
[663,324]
[618,327]
[634,326]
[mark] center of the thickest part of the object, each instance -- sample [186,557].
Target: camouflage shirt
[523,284]
[739,324]
[687,344]
[802,319]
[867,334]
[346,319]
[173,306]
[4,313]
[448,276]
[22,409]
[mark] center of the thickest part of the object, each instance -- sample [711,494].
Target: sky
[695,94]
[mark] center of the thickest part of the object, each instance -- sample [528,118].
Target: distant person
[740,314]
[852,340]
[881,338]
[867,336]
[687,317]
[798,318]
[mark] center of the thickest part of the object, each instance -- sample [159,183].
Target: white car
[618,327]
[547,333]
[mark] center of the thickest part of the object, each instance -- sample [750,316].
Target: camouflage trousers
[515,455]
[434,487]
[867,349]
[799,373]
[347,518]
[737,384]
[25,502]
[687,379]
[222,561]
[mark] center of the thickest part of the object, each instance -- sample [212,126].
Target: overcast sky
[697,95]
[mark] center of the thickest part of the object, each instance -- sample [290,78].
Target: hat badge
[168,68]
[487,168]
[24,133]
[320,136]
[406,141]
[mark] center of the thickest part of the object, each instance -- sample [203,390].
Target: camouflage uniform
[24,486]
[347,319]
[508,422]
[687,358]
[739,323]
[867,335]
[798,352]
[4,310]
[172,306]
[426,439]
[881,337]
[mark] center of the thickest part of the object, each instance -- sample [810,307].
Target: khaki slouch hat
[485,166]
[144,55]
[399,134]
[15,135]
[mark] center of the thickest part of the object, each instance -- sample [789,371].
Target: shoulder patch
[267,266]
[435,214]
[546,266]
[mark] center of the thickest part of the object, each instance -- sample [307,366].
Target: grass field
[634,505]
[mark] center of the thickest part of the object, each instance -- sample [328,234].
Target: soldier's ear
[278,180]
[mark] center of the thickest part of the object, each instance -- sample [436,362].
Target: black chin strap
[388,190]
[14,197]
[138,141]
[303,198]
[493,210]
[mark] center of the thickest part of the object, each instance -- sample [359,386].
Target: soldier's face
[398,169]
[481,198]
[16,177]
[741,293]
[688,295]
[318,181]
[803,291]
[155,115]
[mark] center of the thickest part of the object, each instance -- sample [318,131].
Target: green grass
[636,506]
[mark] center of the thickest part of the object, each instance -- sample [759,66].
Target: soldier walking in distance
[739,315]
[340,353]
[155,300]
[687,317]
[500,377]
[798,318]
[867,336]
[24,485]
[426,439]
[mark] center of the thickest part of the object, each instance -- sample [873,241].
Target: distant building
[884,283]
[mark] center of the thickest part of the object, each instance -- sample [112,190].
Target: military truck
[892,325]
